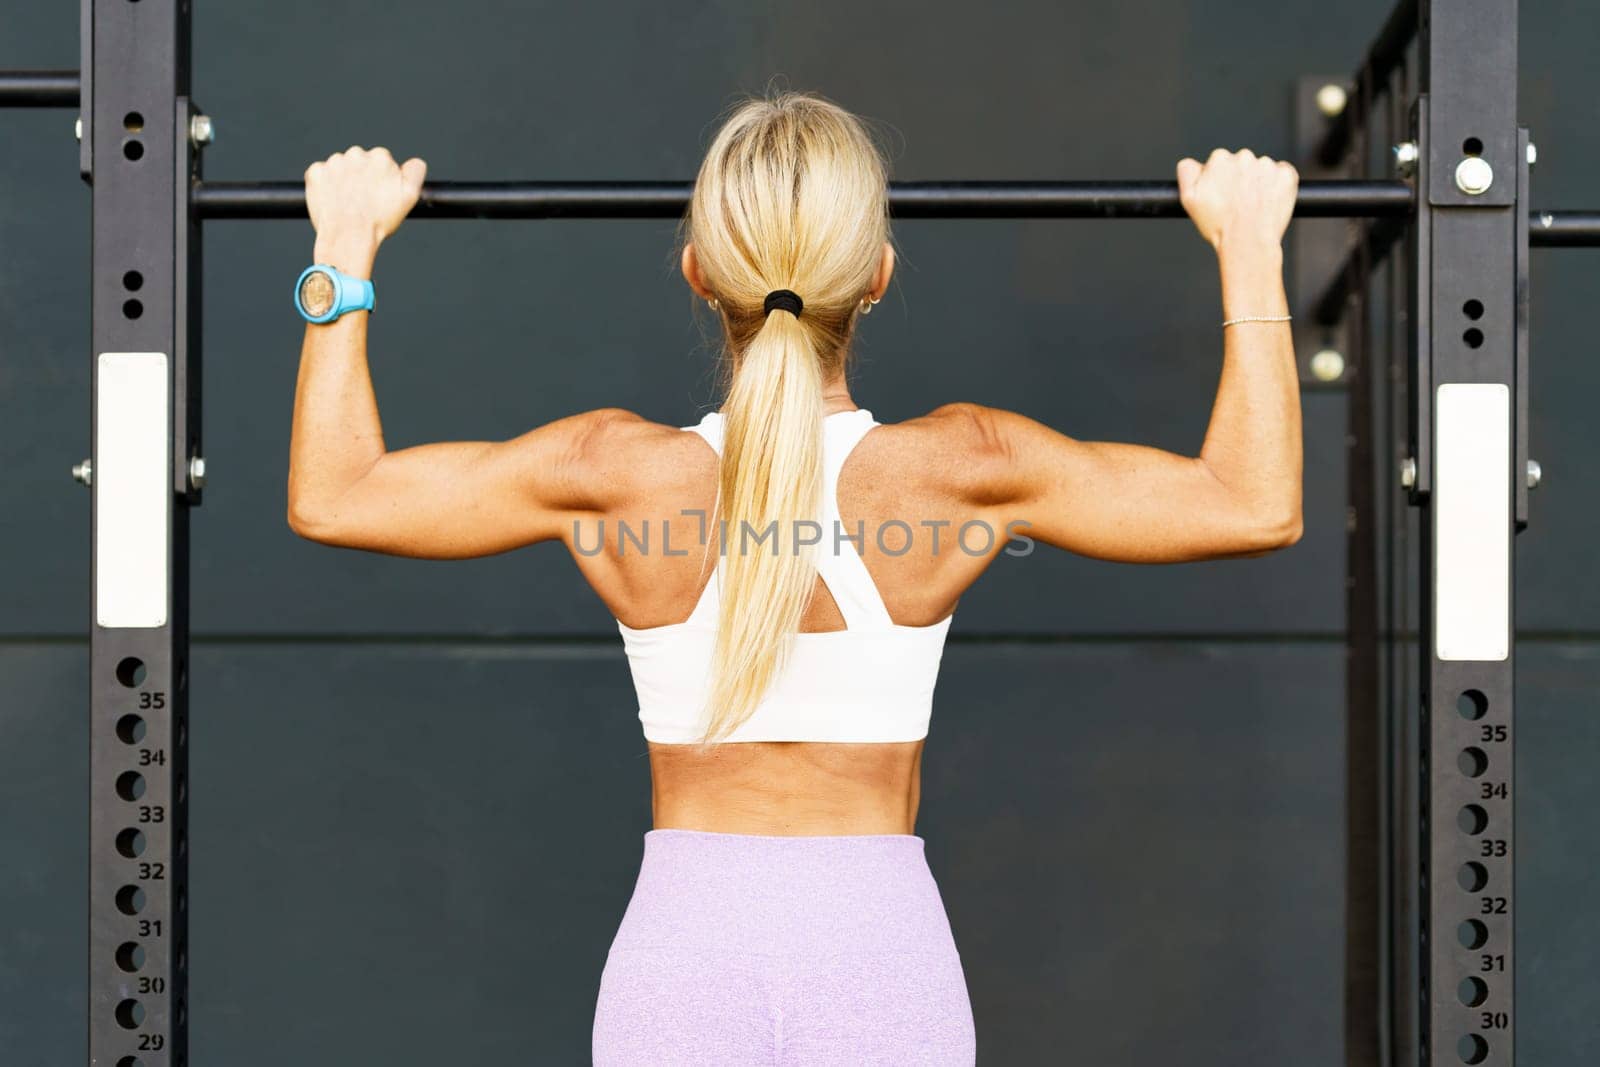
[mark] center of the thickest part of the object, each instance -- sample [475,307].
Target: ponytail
[770,480]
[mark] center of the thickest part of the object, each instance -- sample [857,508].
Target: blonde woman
[783,573]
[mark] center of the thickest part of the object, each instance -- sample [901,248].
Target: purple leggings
[749,949]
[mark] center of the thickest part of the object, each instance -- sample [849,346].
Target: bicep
[463,499]
[1123,502]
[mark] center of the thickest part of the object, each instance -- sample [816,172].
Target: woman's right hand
[1238,196]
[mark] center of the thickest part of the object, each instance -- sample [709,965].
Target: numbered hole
[183,845]
[133,122]
[1472,991]
[1472,934]
[1472,877]
[130,843]
[130,956]
[1473,309]
[1472,147]
[130,900]
[132,150]
[130,1014]
[130,785]
[1472,762]
[131,672]
[1473,337]
[133,281]
[1472,819]
[132,309]
[130,728]
[183,789]
[1472,1049]
[130,1061]
[1472,704]
[183,732]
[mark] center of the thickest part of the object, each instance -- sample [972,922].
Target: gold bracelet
[1259,318]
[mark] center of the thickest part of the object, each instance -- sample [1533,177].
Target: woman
[779,578]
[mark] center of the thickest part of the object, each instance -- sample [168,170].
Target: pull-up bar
[911,200]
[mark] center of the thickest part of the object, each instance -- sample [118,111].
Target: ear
[880,281]
[691,273]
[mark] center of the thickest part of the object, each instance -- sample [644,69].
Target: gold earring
[714,304]
[866,305]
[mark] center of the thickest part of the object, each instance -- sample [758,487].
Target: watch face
[316,293]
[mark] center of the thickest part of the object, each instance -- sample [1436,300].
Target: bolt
[201,130]
[1331,99]
[1327,365]
[1533,153]
[77,127]
[1405,158]
[1408,472]
[1474,175]
[1535,474]
[197,473]
[82,472]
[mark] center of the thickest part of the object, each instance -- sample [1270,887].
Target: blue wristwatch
[322,293]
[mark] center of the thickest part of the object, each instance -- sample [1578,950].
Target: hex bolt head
[1405,157]
[1408,472]
[1474,175]
[83,473]
[197,473]
[1533,153]
[1535,474]
[201,130]
[1331,100]
[1327,365]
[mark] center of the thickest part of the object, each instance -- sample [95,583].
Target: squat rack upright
[1429,959]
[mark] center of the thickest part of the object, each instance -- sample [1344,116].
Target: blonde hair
[792,195]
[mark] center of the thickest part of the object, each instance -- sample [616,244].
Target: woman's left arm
[448,500]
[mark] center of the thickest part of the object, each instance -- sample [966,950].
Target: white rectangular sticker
[131,476]
[1472,522]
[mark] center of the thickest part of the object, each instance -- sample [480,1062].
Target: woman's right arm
[1241,495]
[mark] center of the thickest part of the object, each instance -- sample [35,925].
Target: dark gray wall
[418,787]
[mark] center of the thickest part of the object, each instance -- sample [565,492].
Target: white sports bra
[870,682]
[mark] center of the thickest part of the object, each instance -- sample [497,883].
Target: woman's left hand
[356,198]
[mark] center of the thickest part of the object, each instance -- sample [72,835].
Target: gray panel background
[416,849]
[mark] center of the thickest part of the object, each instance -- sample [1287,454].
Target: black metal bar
[1386,53]
[666,200]
[38,88]
[1570,229]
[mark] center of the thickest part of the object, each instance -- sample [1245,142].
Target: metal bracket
[1318,248]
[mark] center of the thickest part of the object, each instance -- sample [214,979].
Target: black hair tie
[783,298]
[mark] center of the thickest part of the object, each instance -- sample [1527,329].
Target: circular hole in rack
[133,150]
[1473,337]
[1472,1048]
[1472,146]
[130,1014]
[1473,309]
[1472,762]
[130,1061]
[130,843]
[132,281]
[132,309]
[130,785]
[130,671]
[1472,877]
[1472,992]
[130,900]
[1472,934]
[1472,819]
[130,728]
[130,956]
[1472,704]
[133,122]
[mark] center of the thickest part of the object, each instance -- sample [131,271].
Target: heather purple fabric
[749,949]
